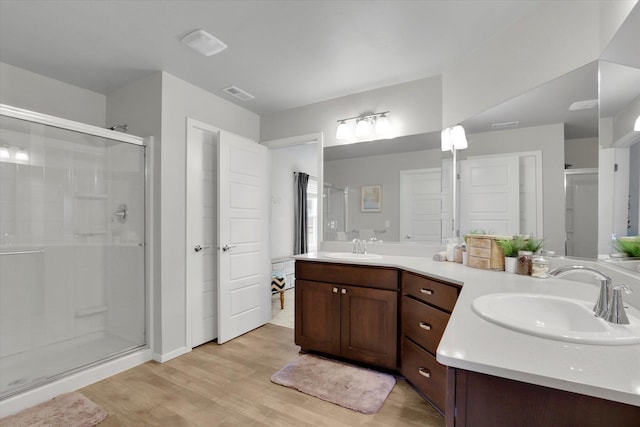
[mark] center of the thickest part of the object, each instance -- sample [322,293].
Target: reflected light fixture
[4,152]
[203,42]
[365,125]
[636,127]
[454,138]
[22,155]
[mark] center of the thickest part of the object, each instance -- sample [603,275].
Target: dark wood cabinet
[354,315]
[480,400]
[426,306]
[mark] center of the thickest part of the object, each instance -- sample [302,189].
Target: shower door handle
[198,248]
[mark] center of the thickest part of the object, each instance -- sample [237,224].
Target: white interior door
[489,195]
[201,257]
[244,299]
[420,205]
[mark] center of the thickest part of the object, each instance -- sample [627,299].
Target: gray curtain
[300,213]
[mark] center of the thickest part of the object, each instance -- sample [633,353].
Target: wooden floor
[228,385]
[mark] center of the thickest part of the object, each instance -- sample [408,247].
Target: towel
[440,256]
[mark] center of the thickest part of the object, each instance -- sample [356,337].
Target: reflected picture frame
[371,198]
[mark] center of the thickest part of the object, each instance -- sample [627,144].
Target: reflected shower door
[581,203]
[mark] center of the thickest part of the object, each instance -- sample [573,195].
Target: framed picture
[371,198]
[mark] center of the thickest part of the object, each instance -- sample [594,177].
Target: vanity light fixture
[203,42]
[378,122]
[636,127]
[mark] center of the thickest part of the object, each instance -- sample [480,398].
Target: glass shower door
[72,221]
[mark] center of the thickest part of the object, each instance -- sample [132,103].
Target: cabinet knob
[335,290]
[425,326]
[344,291]
[424,372]
[426,291]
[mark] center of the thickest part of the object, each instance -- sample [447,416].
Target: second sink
[553,317]
[351,256]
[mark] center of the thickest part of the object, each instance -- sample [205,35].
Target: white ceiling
[285,53]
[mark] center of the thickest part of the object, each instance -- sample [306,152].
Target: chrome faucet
[609,305]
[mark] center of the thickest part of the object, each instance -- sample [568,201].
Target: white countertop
[474,344]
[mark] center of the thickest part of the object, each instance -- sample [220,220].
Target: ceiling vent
[505,125]
[583,105]
[238,93]
[203,42]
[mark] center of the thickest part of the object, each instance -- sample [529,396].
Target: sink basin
[352,256]
[558,318]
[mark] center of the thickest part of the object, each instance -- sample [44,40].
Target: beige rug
[68,410]
[352,387]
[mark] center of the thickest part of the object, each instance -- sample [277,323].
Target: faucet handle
[615,313]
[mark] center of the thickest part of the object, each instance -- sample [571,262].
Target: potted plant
[627,245]
[510,248]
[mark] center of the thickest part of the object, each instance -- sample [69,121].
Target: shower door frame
[111,366]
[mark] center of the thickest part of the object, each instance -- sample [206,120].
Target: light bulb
[363,128]
[343,131]
[4,153]
[382,125]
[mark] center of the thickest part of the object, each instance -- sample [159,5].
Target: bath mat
[359,389]
[69,410]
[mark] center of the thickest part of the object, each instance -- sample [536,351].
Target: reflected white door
[489,195]
[420,205]
[201,260]
[581,202]
[244,299]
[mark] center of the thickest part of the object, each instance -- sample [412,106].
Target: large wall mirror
[536,164]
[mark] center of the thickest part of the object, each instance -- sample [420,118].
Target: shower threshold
[33,368]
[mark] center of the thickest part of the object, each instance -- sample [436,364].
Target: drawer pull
[335,290]
[425,326]
[344,291]
[426,291]
[424,372]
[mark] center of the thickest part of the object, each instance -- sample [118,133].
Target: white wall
[35,92]
[557,37]
[415,108]
[180,100]
[581,152]
[377,170]
[285,161]
[549,139]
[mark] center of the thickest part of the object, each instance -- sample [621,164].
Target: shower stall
[72,248]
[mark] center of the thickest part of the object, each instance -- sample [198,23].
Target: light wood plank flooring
[228,385]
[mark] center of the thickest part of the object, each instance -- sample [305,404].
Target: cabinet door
[317,324]
[370,326]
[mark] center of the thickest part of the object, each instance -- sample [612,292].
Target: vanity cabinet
[481,400]
[348,311]
[426,306]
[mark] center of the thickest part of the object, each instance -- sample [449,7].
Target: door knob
[198,248]
[227,248]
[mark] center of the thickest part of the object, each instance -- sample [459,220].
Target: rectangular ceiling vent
[238,93]
[583,105]
[505,125]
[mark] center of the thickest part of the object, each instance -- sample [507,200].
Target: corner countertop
[472,343]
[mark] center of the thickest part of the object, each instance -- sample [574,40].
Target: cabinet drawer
[427,290]
[423,323]
[345,274]
[423,371]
